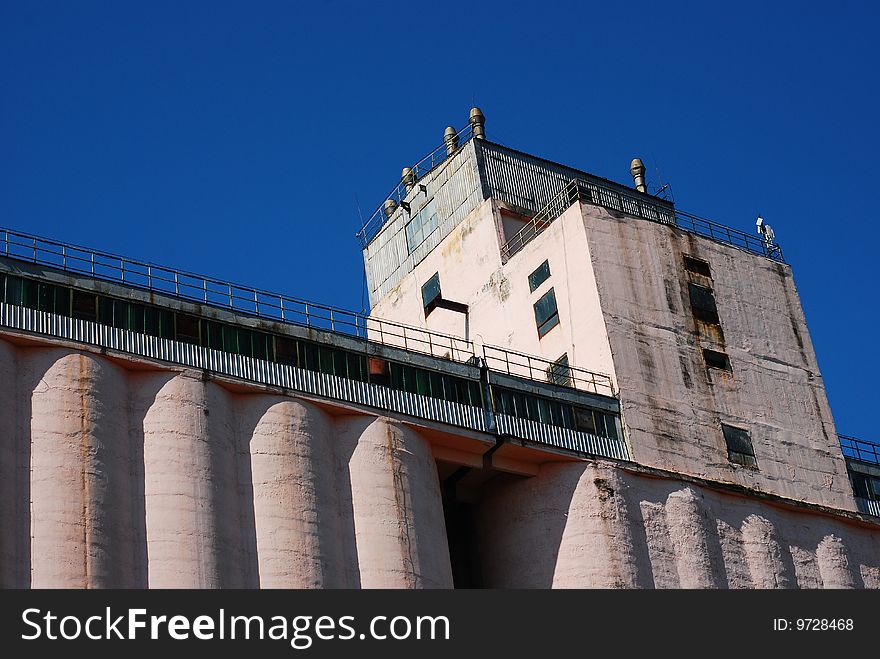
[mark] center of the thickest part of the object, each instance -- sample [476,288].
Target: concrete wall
[124,474]
[622,294]
[594,525]
[672,404]
[501,306]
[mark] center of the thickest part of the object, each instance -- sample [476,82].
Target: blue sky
[237,139]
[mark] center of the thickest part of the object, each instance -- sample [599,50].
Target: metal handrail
[376,221]
[228,295]
[860,449]
[540,369]
[589,192]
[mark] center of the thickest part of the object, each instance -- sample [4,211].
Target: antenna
[662,189]
[767,233]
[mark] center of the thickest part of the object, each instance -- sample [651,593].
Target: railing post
[308,317]
[256,302]
[150,277]
[122,269]
[92,256]
[332,322]
[35,250]
[231,303]
[281,299]
[176,284]
[205,288]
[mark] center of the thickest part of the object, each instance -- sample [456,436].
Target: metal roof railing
[540,369]
[228,295]
[577,190]
[377,220]
[860,449]
[283,308]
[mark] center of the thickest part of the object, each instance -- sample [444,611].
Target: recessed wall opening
[463,490]
[697,266]
[716,359]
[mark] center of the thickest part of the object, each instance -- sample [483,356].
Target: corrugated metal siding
[561,437]
[454,186]
[246,368]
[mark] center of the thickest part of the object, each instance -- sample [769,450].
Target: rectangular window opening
[546,313]
[698,266]
[539,276]
[716,359]
[431,293]
[739,446]
[559,372]
[703,304]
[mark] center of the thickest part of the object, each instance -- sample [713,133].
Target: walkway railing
[228,295]
[589,192]
[860,449]
[531,367]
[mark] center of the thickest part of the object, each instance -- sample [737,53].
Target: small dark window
[559,372]
[584,421]
[715,359]
[539,276]
[85,306]
[285,351]
[431,293]
[699,266]
[187,329]
[703,304]
[739,446]
[546,313]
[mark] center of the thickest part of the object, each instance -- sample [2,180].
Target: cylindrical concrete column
[80,483]
[692,539]
[397,507]
[596,548]
[764,554]
[193,521]
[9,487]
[296,511]
[834,563]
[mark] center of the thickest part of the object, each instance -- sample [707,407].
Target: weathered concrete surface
[296,499]
[470,267]
[673,405]
[396,506]
[193,516]
[80,485]
[10,485]
[596,525]
[132,483]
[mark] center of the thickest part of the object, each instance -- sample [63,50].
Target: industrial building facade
[563,382]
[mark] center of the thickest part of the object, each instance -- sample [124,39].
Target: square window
[715,359]
[431,293]
[539,276]
[703,304]
[546,313]
[85,306]
[559,372]
[698,266]
[739,446]
[187,328]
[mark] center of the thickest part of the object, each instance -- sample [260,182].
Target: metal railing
[235,297]
[728,236]
[859,449]
[398,194]
[588,192]
[539,369]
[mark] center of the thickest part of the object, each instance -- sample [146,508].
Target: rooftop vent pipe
[478,123]
[408,176]
[389,207]
[637,169]
[450,138]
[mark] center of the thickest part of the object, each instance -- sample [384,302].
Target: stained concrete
[631,530]
[127,474]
